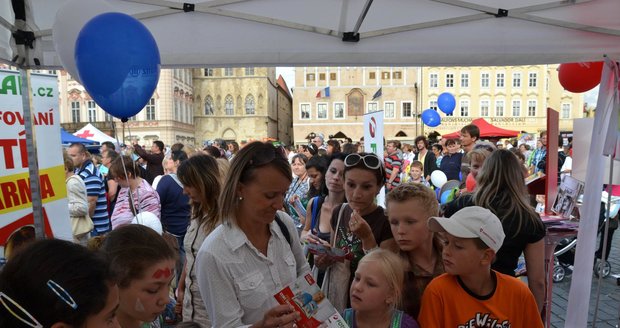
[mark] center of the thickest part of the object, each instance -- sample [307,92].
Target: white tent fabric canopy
[90,132]
[394,32]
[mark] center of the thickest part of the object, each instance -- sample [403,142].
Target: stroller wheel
[602,268]
[558,273]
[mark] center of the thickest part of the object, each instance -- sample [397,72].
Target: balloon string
[130,194]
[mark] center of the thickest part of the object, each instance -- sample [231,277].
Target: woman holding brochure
[255,252]
[297,193]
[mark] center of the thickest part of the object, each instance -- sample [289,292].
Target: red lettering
[47,190]
[7,147]
[16,193]
[23,186]
[9,194]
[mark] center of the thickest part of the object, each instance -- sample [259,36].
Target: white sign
[15,194]
[373,142]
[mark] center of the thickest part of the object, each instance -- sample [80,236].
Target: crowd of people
[206,238]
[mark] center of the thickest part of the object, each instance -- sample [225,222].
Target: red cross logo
[85,134]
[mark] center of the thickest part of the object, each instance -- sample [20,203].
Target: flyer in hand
[569,190]
[335,254]
[310,302]
[299,208]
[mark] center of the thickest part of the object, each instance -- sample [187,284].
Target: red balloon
[580,77]
[470,182]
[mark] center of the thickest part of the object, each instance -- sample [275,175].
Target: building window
[371,107]
[389,110]
[372,76]
[75,111]
[229,105]
[249,71]
[250,105]
[332,76]
[397,75]
[533,80]
[177,115]
[464,80]
[228,71]
[304,111]
[499,108]
[385,75]
[565,110]
[338,110]
[531,108]
[310,77]
[92,111]
[450,80]
[150,110]
[321,111]
[433,105]
[484,108]
[499,82]
[183,113]
[516,80]
[484,80]
[321,76]
[434,80]
[465,108]
[516,108]
[108,117]
[134,118]
[406,106]
[209,106]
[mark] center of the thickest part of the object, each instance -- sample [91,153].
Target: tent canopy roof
[393,32]
[487,130]
[67,138]
[90,132]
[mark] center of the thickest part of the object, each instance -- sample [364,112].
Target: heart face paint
[163,273]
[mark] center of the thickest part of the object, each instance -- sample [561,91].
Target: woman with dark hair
[333,146]
[255,252]
[358,226]
[298,190]
[500,187]
[144,264]
[316,167]
[55,283]
[427,158]
[233,148]
[201,183]
[136,194]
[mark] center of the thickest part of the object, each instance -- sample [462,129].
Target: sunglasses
[266,156]
[371,161]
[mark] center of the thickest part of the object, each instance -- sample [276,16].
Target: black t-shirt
[378,222]
[514,243]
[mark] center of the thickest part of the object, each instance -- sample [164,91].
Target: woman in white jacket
[78,204]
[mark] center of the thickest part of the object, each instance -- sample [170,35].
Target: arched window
[209,106]
[250,105]
[230,109]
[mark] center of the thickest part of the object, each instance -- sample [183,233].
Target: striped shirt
[95,187]
[392,162]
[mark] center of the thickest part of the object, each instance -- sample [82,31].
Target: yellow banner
[15,189]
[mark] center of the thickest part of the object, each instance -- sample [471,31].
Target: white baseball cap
[472,222]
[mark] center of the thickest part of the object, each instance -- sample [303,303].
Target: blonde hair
[479,154]
[419,192]
[393,270]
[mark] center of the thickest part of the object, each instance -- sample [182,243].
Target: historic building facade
[168,116]
[242,103]
[511,97]
[353,92]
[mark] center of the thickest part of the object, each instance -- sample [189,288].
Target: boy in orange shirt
[470,294]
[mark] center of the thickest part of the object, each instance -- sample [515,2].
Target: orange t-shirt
[447,303]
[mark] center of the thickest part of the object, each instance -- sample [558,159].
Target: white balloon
[438,178]
[150,220]
[69,21]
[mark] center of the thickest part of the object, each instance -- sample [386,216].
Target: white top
[237,282]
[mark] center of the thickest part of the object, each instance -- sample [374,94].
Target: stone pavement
[609,301]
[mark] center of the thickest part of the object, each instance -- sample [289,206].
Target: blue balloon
[118,61]
[431,118]
[446,103]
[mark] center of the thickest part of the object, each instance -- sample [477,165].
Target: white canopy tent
[90,132]
[303,32]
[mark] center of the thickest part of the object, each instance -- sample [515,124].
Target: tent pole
[31,146]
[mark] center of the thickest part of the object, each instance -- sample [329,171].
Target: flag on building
[324,93]
[377,94]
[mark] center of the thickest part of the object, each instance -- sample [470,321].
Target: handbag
[336,283]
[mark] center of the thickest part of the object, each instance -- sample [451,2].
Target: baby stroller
[565,251]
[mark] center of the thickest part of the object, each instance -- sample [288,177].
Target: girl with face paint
[145,266]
